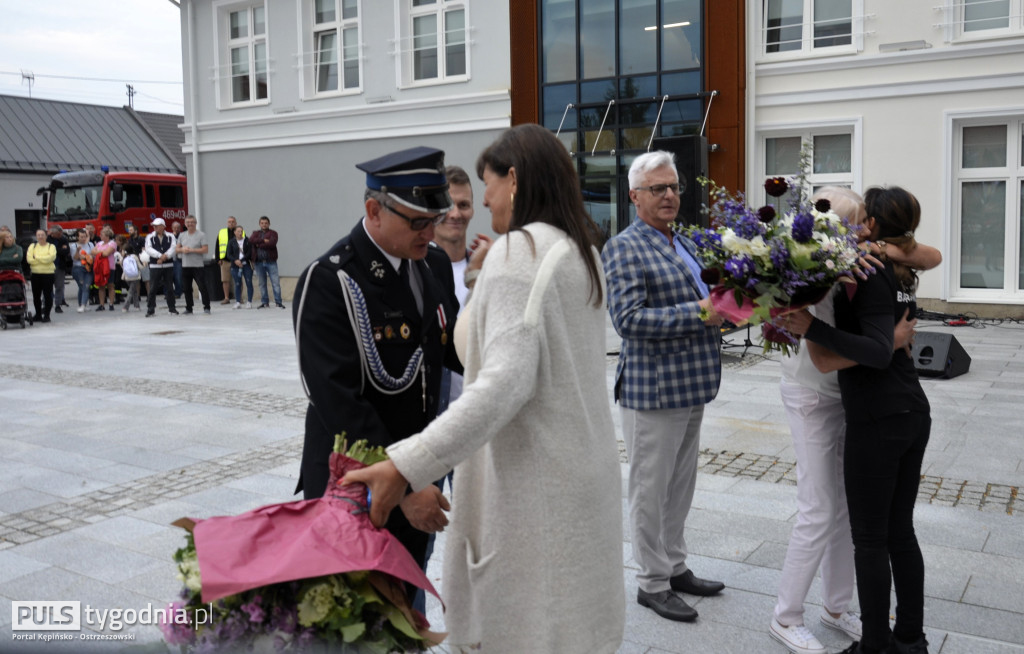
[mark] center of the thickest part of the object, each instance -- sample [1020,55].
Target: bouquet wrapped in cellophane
[762,264]
[313,575]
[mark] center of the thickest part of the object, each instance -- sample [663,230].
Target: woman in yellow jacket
[40,257]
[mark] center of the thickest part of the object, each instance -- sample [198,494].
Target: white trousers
[821,535]
[662,446]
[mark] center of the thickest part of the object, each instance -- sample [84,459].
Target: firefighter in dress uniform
[373,327]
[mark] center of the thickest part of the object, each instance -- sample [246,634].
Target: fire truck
[117,199]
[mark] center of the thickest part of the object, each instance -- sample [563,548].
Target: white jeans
[821,535]
[662,446]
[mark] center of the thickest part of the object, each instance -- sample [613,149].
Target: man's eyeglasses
[659,190]
[417,224]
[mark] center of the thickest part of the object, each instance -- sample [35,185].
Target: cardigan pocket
[476,567]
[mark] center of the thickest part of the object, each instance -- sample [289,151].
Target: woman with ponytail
[887,427]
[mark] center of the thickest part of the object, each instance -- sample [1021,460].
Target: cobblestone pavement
[27,526]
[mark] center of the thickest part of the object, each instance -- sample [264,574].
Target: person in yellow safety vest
[223,236]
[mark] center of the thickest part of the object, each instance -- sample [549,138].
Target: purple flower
[779,254]
[803,227]
[740,268]
[766,213]
[254,610]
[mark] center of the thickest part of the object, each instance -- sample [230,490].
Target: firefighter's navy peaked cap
[414,178]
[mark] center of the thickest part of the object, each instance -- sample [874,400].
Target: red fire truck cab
[117,199]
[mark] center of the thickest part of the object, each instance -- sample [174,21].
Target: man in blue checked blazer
[669,368]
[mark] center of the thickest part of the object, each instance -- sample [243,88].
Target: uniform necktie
[407,278]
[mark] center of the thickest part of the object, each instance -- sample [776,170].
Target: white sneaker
[248,305]
[848,623]
[81,309]
[238,305]
[797,638]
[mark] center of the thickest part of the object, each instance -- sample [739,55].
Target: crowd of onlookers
[113,270]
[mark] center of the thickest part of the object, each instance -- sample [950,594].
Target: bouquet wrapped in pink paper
[765,264]
[299,575]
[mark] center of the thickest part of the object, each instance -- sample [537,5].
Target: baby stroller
[13,299]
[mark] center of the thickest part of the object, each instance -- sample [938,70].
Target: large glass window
[436,40]
[336,45]
[831,159]
[614,75]
[244,31]
[989,209]
[982,15]
[806,26]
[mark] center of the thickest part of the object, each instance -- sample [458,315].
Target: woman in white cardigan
[534,551]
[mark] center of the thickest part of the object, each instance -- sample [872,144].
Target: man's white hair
[647,162]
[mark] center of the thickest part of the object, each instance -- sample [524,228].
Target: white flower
[757,247]
[830,264]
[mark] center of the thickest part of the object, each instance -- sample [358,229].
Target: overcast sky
[127,41]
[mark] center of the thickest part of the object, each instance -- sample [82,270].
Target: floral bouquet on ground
[763,264]
[313,575]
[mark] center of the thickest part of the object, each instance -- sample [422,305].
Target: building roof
[49,136]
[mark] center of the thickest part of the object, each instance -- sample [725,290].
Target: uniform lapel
[376,268]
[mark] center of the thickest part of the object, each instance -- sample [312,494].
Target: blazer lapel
[668,251]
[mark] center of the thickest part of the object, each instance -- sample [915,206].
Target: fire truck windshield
[76,202]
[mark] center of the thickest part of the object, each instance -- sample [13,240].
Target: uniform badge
[377,268]
[377,335]
[389,333]
[405,331]
[335,259]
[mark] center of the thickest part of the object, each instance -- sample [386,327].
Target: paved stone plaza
[115,425]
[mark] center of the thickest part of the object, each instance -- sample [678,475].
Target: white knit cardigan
[534,550]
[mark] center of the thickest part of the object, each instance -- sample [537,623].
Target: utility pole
[131,96]
[29,77]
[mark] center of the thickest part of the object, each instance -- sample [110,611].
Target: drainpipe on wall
[193,116]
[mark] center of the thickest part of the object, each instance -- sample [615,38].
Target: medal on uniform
[405,331]
[389,333]
[442,320]
[377,333]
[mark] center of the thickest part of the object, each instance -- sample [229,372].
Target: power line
[94,79]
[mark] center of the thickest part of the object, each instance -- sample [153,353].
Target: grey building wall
[293,158]
[313,194]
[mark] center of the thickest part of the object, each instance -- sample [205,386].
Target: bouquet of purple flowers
[764,264]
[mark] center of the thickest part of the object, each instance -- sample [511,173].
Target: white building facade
[284,97]
[924,94]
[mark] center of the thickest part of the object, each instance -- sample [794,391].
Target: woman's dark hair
[897,214]
[548,190]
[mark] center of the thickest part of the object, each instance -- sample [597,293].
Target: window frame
[807,48]
[224,46]
[406,15]
[1012,174]
[954,14]
[311,33]
[807,131]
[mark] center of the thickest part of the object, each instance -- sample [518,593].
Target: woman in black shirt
[887,426]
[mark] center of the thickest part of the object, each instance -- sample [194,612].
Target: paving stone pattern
[33,524]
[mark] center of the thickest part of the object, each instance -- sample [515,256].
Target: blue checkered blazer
[670,358]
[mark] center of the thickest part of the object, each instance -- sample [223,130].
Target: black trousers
[42,294]
[161,281]
[188,275]
[882,466]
